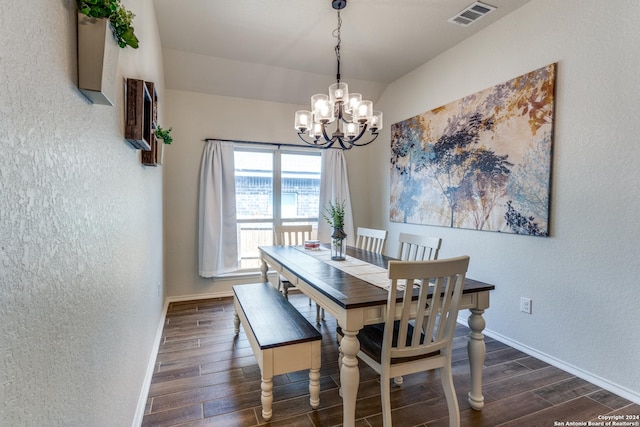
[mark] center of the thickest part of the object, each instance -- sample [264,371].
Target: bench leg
[236,323]
[314,388]
[266,398]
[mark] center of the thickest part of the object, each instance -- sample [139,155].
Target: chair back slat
[291,235]
[426,318]
[414,247]
[370,239]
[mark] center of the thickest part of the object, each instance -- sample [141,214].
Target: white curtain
[334,187]
[217,213]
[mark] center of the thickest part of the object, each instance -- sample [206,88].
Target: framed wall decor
[482,162]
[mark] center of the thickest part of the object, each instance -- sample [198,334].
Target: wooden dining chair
[399,346]
[370,239]
[290,235]
[414,247]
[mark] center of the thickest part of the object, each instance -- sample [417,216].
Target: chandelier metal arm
[337,135]
[355,144]
[316,142]
[326,142]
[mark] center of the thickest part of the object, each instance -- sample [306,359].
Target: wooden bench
[282,339]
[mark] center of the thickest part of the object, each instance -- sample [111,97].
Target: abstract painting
[482,162]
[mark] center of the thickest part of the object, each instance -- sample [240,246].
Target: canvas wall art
[482,162]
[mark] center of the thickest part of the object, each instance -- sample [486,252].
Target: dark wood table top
[344,289]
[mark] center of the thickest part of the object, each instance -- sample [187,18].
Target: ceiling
[283,50]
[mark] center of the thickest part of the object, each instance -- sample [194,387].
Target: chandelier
[347,112]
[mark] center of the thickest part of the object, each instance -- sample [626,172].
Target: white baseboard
[222,294]
[560,364]
[146,385]
[225,281]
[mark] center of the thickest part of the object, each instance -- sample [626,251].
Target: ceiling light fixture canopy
[352,116]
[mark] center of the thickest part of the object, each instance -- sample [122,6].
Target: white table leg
[477,351]
[236,323]
[349,376]
[263,270]
[339,338]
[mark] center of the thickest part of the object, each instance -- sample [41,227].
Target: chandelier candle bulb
[338,92]
[354,100]
[322,108]
[316,130]
[351,130]
[364,112]
[376,120]
[302,120]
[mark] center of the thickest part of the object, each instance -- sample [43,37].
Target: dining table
[353,292]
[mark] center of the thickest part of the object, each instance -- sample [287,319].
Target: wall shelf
[150,158]
[141,119]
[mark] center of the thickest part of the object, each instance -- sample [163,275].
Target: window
[273,187]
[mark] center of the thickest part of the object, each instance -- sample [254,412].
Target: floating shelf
[150,158]
[138,126]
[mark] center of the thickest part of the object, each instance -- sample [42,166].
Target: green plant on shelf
[164,135]
[121,19]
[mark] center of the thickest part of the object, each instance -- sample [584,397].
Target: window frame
[276,218]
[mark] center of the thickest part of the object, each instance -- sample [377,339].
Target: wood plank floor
[205,376]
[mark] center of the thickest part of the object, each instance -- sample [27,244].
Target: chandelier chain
[336,34]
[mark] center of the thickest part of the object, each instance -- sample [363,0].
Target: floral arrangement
[334,214]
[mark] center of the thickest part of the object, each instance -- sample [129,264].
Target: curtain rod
[275,144]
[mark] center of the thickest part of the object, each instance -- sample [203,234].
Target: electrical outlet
[525,305]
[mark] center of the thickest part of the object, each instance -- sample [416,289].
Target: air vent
[471,14]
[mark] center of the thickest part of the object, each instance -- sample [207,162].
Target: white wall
[80,228]
[194,117]
[583,279]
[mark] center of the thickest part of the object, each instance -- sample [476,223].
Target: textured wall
[80,229]
[583,280]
